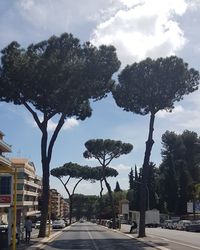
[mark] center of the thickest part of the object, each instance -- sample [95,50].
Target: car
[193,227]
[3,226]
[167,224]
[182,224]
[37,224]
[58,224]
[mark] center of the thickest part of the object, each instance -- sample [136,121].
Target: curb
[42,243]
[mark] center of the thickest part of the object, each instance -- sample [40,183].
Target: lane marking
[93,241]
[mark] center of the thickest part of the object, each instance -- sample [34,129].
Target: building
[29,187]
[59,207]
[65,209]
[55,203]
[4,148]
[5,179]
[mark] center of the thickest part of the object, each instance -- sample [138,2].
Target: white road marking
[93,242]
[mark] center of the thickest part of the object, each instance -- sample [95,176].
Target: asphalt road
[88,236]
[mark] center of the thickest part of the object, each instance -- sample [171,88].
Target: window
[5,184]
[19,197]
[20,175]
[20,186]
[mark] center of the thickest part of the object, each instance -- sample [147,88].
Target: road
[88,236]
[174,239]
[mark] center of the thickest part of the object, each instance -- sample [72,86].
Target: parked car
[174,224]
[37,224]
[58,224]
[182,224]
[167,224]
[3,226]
[193,227]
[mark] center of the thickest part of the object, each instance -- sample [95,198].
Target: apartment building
[65,208]
[4,148]
[5,179]
[29,187]
[55,203]
[59,207]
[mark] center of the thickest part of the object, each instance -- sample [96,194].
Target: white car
[58,224]
[182,224]
[37,224]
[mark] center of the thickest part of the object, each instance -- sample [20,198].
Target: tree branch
[34,114]
[76,185]
[55,134]
[67,181]
[65,186]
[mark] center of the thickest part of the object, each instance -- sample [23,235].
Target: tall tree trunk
[143,195]
[101,202]
[111,203]
[45,201]
[70,208]
[45,184]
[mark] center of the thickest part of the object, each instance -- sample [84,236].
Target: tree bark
[101,201]
[70,208]
[111,203]
[45,195]
[143,195]
[45,181]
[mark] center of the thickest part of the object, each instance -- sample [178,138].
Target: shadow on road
[100,244]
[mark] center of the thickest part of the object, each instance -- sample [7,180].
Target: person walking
[28,229]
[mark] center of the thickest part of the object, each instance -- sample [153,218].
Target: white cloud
[142,29]
[69,124]
[175,111]
[121,167]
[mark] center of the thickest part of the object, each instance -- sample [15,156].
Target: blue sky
[138,29]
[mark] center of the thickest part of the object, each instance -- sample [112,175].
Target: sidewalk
[37,243]
[148,240]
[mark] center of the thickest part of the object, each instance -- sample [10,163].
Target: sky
[138,29]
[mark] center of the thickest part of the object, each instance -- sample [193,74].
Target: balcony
[27,203]
[4,161]
[29,183]
[26,192]
[4,147]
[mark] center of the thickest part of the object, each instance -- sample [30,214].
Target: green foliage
[117,188]
[84,206]
[153,85]
[72,170]
[179,170]
[106,150]
[58,75]
[131,179]
[148,87]
[97,173]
